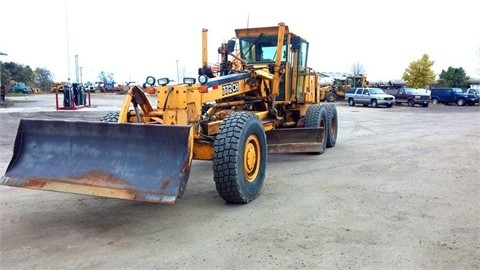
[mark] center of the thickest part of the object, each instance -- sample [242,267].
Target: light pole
[178,78]
[80,68]
[1,67]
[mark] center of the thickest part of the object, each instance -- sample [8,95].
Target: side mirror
[231,46]
[296,43]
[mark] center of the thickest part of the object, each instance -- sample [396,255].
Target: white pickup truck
[475,92]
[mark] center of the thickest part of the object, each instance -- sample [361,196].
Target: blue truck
[451,95]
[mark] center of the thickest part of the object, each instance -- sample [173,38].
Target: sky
[135,39]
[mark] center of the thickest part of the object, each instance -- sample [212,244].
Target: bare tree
[357,69]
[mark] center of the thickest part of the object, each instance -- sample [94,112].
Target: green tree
[453,77]
[19,72]
[5,75]
[43,78]
[419,74]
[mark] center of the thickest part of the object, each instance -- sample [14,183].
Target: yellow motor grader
[264,99]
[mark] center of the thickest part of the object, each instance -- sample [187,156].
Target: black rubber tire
[316,116]
[389,105]
[331,97]
[241,138]
[374,103]
[332,123]
[425,105]
[111,117]
[351,102]
[435,101]
[411,103]
[461,102]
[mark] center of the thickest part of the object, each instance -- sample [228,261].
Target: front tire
[240,158]
[435,101]
[331,97]
[351,102]
[461,102]
[374,103]
[411,103]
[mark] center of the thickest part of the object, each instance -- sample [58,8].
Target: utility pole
[68,41]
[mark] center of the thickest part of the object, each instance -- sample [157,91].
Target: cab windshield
[260,49]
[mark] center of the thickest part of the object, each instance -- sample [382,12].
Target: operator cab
[260,50]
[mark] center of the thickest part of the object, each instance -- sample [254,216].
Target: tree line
[12,72]
[419,74]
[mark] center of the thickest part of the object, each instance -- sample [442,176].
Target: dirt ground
[400,190]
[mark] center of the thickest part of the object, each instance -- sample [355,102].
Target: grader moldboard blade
[127,161]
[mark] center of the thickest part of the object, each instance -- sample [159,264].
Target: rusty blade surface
[127,161]
[295,140]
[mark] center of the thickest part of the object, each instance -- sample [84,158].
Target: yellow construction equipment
[341,85]
[57,87]
[265,99]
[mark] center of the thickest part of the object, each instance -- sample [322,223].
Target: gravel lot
[399,191]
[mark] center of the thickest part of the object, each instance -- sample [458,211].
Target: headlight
[163,81]
[189,81]
[150,80]
[203,79]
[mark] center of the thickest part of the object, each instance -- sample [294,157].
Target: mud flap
[127,161]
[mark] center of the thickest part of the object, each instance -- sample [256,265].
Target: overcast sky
[134,39]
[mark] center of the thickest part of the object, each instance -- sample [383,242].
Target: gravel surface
[400,190]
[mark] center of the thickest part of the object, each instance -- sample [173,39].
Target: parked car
[20,87]
[475,92]
[89,87]
[411,96]
[451,95]
[369,96]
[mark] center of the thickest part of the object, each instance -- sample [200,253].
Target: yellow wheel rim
[251,158]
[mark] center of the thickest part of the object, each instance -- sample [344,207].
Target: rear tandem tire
[240,158]
[332,123]
[316,116]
